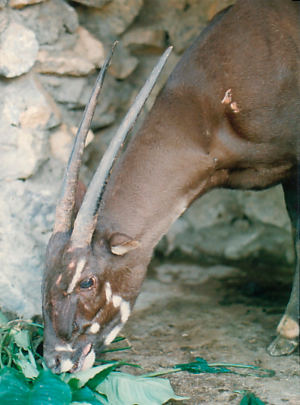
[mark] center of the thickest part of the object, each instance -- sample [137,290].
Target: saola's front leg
[288,328]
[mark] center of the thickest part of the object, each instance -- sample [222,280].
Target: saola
[227,117]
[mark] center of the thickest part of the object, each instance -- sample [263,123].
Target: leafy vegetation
[25,379]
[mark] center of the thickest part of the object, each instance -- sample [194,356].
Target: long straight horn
[85,222]
[65,206]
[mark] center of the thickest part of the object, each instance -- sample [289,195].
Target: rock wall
[50,52]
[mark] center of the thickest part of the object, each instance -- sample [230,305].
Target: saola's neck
[159,175]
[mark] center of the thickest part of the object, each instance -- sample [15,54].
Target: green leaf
[79,379]
[22,339]
[201,366]
[3,319]
[49,389]
[13,388]
[86,395]
[251,399]
[27,365]
[126,389]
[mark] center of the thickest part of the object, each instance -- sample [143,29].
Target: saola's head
[88,296]
[92,279]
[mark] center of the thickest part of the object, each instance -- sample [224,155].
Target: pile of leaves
[25,379]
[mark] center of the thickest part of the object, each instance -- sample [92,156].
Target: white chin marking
[125,311]
[112,334]
[66,365]
[88,361]
[116,299]
[108,292]
[94,328]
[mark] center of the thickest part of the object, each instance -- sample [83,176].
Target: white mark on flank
[94,328]
[116,299]
[108,292]
[227,97]
[112,334]
[66,365]
[234,107]
[64,348]
[124,311]
[78,271]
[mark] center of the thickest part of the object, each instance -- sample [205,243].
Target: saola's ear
[120,244]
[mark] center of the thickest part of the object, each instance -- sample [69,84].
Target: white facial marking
[112,334]
[108,292]
[58,279]
[94,328]
[125,311]
[78,271]
[64,348]
[66,365]
[88,361]
[116,299]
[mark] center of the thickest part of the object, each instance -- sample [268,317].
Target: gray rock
[50,20]
[72,93]
[4,20]
[248,229]
[26,217]
[78,57]
[3,3]
[112,20]
[123,64]
[18,50]
[23,3]
[26,115]
[93,3]
[141,38]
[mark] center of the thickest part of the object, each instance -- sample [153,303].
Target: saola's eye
[87,283]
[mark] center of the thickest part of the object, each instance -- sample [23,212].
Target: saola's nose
[65,359]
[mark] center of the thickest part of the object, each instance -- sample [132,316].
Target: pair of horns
[85,222]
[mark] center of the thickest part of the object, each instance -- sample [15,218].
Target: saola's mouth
[85,361]
[66,359]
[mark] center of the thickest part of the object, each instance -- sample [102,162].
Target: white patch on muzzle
[66,365]
[88,361]
[64,348]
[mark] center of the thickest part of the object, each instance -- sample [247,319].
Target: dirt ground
[218,313]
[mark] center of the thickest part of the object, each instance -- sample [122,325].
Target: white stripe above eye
[78,271]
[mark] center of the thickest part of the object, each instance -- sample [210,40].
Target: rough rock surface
[18,50]
[23,3]
[93,3]
[56,48]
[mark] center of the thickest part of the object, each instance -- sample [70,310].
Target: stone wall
[50,52]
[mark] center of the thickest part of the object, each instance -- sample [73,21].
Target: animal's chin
[85,361]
